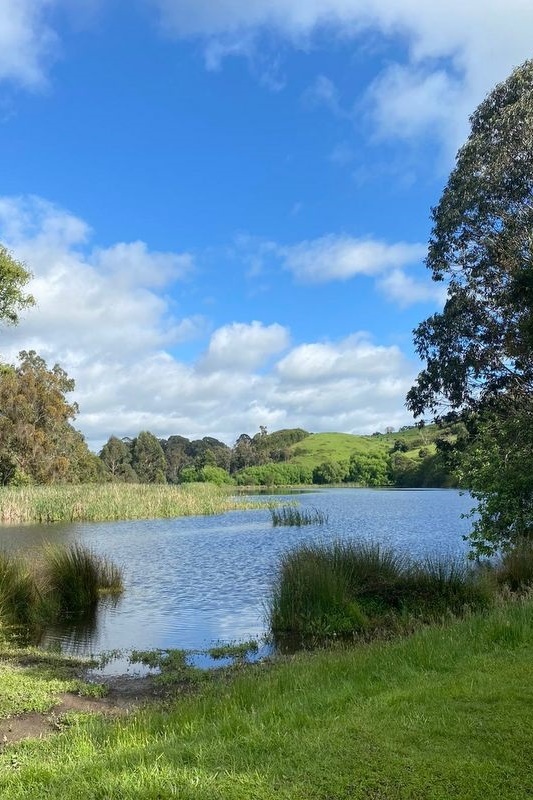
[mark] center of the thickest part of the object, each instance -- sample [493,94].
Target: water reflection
[194,581]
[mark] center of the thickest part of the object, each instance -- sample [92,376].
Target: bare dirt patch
[124,695]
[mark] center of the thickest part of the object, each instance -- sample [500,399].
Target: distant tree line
[264,460]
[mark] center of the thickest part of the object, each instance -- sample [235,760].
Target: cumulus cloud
[456,51]
[405,290]
[27,42]
[126,350]
[336,257]
[241,347]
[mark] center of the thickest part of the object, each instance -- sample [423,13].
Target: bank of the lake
[442,715]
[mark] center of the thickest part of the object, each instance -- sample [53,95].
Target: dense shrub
[274,475]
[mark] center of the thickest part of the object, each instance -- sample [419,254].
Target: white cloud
[456,51]
[27,42]
[342,257]
[353,358]
[132,263]
[405,290]
[119,340]
[240,347]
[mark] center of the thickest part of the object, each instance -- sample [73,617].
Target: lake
[193,582]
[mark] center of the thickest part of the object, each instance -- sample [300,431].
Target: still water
[196,581]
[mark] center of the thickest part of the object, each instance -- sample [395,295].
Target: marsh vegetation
[65,582]
[114,501]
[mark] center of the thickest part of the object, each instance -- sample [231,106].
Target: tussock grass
[67,581]
[290,515]
[113,501]
[18,591]
[76,577]
[349,587]
[515,569]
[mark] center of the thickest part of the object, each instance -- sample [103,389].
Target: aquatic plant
[18,591]
[348,587]
[115,501]
[76,577]
[290,515]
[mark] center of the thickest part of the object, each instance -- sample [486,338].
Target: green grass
[66,581]
[18,591]
[442,715]
[319,447]
[76,577]
[516,567]
[352,587]
[290,515]
[113,501]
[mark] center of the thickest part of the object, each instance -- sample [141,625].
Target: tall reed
[67,581]
[114,501]
[342,587]
[290,515]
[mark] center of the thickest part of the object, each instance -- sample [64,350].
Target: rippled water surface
[195,581]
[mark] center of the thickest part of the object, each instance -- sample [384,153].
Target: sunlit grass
[114,501]
[442,715]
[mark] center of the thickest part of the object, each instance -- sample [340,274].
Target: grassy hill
[406,458]
[317,448]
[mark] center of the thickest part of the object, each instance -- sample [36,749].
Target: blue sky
[225,206]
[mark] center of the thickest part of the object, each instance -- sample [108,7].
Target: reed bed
[289,515]
[114,501]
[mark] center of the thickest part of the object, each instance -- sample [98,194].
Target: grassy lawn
[444,714]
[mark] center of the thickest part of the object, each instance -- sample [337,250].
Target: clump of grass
[67,581]
[18,591]
[76,577]
[515,570]
[290,515]
[353,587]
[311,597]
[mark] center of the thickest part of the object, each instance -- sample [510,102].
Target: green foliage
[496,463]
[290,515]
[369,469]
[116,457]
[330,472]
[148,459]
[479,349]
[334,589]
[13,278]
[216,475]
[37,442]
[481,344]
[274,475]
